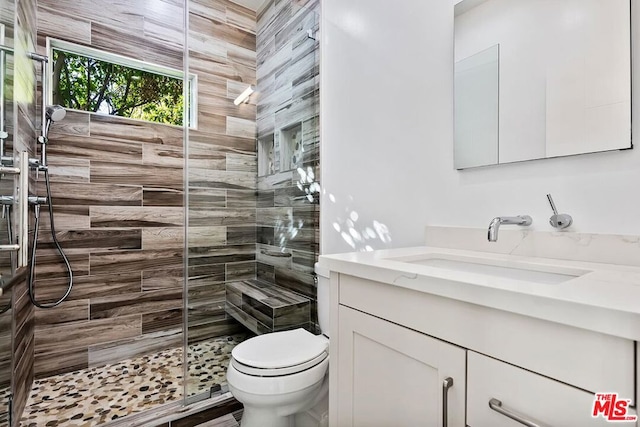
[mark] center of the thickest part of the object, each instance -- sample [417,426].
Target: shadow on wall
[359,235]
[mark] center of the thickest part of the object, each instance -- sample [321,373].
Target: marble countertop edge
[606,298]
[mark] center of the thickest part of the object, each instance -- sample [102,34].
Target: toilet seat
[280,353]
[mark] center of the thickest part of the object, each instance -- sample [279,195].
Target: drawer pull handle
[446,385]
[496,405]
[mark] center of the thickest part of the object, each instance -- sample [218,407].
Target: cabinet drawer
[538,399]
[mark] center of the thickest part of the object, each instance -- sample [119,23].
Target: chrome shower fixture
[53,113]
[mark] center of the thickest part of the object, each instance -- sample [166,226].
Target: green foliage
[88,84]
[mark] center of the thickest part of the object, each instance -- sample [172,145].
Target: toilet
[282,378]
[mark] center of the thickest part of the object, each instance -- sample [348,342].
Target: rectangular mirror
[540,78]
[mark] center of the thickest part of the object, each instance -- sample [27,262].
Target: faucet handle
[559,221]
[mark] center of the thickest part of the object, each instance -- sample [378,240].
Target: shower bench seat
[263,307]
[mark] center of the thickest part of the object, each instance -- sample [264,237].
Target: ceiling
[251,4]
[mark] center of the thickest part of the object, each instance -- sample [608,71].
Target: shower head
[55,113]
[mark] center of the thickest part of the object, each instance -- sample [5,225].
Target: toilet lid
[280,349]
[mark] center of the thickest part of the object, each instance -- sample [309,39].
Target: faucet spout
[494,225]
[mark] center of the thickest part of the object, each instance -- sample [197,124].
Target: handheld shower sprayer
[53,113]
[50,114]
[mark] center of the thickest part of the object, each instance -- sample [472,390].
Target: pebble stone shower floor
[95,396]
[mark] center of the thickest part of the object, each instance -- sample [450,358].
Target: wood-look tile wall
[7,20]
[222,162]
[23,140]
[117,190]
[287,209]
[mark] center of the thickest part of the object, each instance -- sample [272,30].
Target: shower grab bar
[9,170]
[5,48]
[23,210]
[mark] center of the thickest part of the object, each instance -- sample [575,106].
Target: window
[87,79]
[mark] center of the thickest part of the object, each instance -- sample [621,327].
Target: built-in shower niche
[266,156]
[291,147]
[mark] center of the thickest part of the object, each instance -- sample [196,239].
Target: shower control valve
[37,200]
[36,165]
[42,139]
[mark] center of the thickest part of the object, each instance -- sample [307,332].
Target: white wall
[387,132]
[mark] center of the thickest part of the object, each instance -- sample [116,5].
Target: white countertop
[606,298]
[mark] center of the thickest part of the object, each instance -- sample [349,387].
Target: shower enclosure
[157,210]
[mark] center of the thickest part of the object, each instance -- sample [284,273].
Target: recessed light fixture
[244,96]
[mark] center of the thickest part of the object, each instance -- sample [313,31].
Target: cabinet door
[389,375]
[527,396]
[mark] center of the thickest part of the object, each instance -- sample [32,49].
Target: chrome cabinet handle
[496,405]
[446,385]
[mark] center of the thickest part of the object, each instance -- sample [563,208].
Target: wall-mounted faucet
[559,221]
[494,225]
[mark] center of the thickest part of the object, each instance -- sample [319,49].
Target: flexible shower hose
[32,266]
[13,267]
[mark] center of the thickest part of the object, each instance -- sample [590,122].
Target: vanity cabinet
[390,375]
[394,347]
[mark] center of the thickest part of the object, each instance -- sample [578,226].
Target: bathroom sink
[544,274]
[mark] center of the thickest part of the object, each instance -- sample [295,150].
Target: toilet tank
[322,274]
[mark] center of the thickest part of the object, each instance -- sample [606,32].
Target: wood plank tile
[136,216]
[270,216]
[64,193]
[144,175]
[96,148]
[132,261]
[265,272]
[162,278]
[242,162]
[129,42]
[84,334]
[221,179]
[241,128]
[218,217]
[205,274]
[237,271]
[96,240]
[220,142]
[161,320]
[221,254]
[241,199]
[302,283]
[163,156]
[60,25]
[54,363]
[123,129]
[140,303]
[207,198]
[242,18]
[162,237]
[114,352]
[68,169]
[68,311]
[227,326]
[121,12]
[241,234]
[74,123]
[162,197]
[207,236]
[94,286]
[50,266]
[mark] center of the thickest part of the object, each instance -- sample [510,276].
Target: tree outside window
[88,84]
